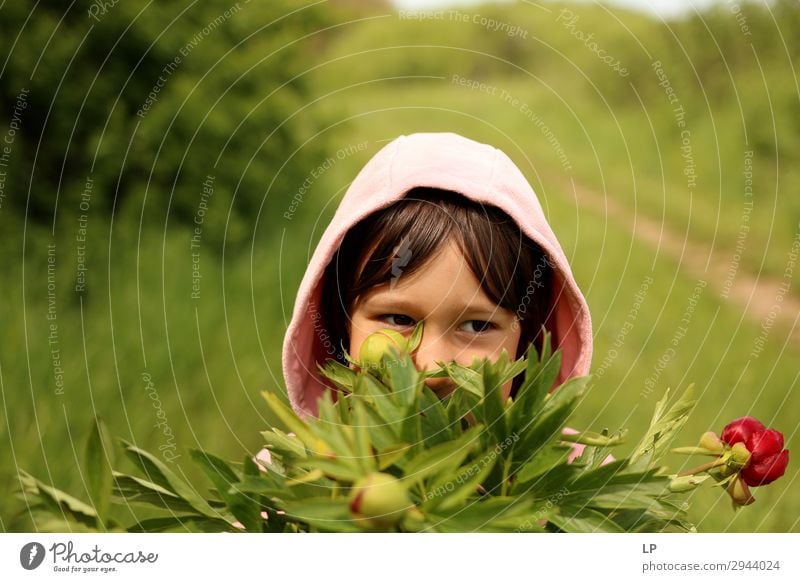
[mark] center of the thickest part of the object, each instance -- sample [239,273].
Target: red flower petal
[739,430]
[766,470]
[764,444]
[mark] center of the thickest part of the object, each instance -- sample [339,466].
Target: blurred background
[166,170]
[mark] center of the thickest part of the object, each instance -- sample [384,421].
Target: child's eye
[477,326]
[397,319]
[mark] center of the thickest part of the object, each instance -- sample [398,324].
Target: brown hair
[513,271]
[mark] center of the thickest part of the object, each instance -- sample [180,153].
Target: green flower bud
[739,492]
[377,344]
[686,483]
[712,442]
[378,501]
[740,456]
[726,470]
[414,520]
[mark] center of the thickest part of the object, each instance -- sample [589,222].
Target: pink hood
[450,162]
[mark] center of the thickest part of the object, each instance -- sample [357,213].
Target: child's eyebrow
[389,304]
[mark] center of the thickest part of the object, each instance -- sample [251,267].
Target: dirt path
[759,297]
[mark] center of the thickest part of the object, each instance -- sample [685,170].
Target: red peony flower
[768,458]
[739,430]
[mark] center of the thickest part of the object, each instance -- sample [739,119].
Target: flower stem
[701,468]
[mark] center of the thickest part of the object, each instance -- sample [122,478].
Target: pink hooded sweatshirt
[449,162]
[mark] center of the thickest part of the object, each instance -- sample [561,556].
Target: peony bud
[379,501]
[712,442]
[739,456]
[377,344]
[414,520]
[739,492]
[683,483]
[739,430]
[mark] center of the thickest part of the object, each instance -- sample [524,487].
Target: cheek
[491,350]
[511,343]
[508,342]
[359,328]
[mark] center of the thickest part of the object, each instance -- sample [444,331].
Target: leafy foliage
[471,461]
[150,102]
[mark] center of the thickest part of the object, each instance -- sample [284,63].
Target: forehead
[445,281]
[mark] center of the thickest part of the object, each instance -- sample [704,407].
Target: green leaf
[98,459]
[594,439]
[180,523]
[551,482]
[323,513]
[265,484]
[58,502]
[385,403]
[305,476]
[495,514]
[435,423]
[293,422]
[546,426]
[215,468]
[286,445]
[135,490]
[458,405]
[328,413]
[605,474]
[584,521]
[540,374]
[624,498]
[361,438]
[160,474]
[512,369]
[389,455]
[342,376]
[641,521]
[542,462]
[245,508]
[490,410]
[383,435]
[45,521]
[336,440]
[406,382]
[415,338]
[442,458]
[465,378]
[466,483]
[249,467]
[663,427]
[334,468]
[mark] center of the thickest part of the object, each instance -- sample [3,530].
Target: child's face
[460,321]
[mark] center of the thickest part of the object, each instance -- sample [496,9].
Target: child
[439,228]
